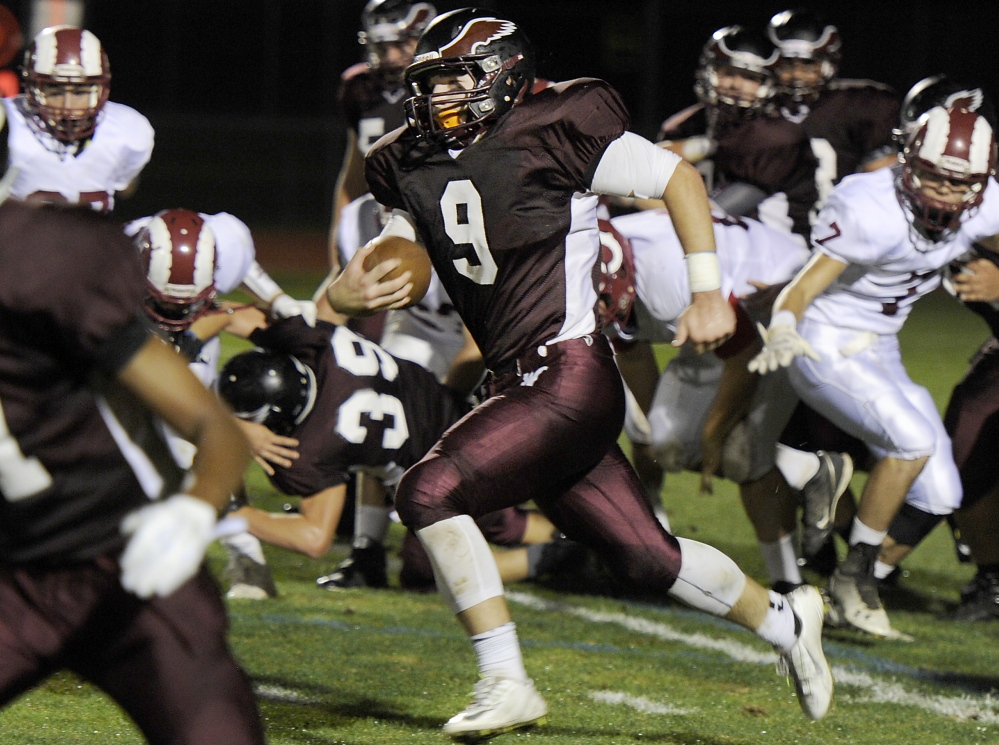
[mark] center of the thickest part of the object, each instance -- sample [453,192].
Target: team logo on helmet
[477,33]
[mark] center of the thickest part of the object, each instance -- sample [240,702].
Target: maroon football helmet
[954,145]
[60,62]
[385,22]
[800,34]
[494,51]
[178,251]
[748,53]
[616,288]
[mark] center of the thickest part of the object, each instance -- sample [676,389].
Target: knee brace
[911,525]
[464,566]
[708,580]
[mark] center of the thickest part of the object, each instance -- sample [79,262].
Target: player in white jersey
[190,258]
[708,413]
[67,142]
[881,243]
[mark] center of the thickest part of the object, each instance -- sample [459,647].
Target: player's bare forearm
[309,532]
[813,278]
[689,209]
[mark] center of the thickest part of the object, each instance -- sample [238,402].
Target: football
[414,259]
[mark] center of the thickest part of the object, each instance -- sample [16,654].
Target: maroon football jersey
[851,121]
[71,294]
[495,217]
[766,151]
[372,411]
[371,109]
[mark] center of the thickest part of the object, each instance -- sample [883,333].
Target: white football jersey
[748,251]
[234,249]
[48,170]
[889,265]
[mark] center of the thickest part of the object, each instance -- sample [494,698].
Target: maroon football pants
[548,433]
[165,661]
[972,421]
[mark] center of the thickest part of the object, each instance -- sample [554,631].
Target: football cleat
[498,705]
[853,594]
[365,567]
[248,579]
[822,493]
[979,600]
[805,663]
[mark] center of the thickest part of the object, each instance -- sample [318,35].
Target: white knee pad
[709,580]
[464,566]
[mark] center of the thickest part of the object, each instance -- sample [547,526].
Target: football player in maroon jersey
[371,92]
[500,185]
[101,538]
[353,407]
[848,122]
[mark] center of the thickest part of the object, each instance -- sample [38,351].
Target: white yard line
[868,688]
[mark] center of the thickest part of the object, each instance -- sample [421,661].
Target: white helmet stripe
[160,254]
[90,54]
[45,53]
[204,261]
[980,150]
[937,135]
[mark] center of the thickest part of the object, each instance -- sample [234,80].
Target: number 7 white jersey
[889,266]
[48,171]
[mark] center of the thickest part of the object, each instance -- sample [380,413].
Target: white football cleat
[805,663]
[498,705]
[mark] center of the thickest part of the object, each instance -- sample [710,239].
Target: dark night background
[242,92]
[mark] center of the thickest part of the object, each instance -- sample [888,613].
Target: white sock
[781,561]
[882,570]
[370,525]
[796,466]
[246,544]
[498,652]
[861,533]
[778,627]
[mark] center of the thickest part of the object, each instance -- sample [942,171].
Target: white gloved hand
[167,544]
[781,344]
[285,306]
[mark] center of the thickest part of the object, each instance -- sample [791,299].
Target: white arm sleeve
[631,166]
[400,224]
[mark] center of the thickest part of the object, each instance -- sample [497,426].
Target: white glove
[781,344]
[167,544]
[285,306]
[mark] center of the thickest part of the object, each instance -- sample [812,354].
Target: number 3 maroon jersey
[507,221]
[372,411]
[71,289]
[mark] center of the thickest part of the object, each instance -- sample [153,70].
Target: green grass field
[390,667]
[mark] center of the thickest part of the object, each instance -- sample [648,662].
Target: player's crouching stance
[501,187]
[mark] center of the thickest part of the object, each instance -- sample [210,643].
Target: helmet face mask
[470,68]
[67,81]
[269,388]
[179,253]
[810,52]
[946,165]
[389,32]
[735,71]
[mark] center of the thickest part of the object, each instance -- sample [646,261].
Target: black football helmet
[738,49]
[800,34]
[950,144]
[940,90]
[494,51]
[269,388]
[386,22]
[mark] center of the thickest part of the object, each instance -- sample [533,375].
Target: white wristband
[703,272]
[697,148]
[784,318]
